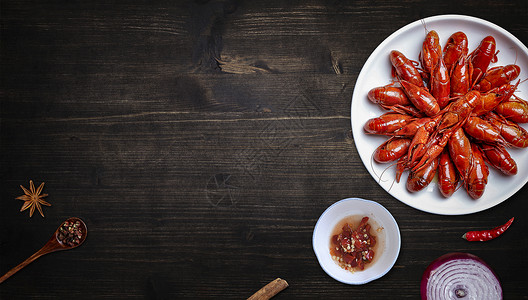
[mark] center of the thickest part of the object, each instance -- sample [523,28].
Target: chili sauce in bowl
[356,241]
[354,245]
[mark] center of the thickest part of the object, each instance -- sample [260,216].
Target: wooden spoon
[70,234]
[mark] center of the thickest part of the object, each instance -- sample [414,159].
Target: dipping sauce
[353,244]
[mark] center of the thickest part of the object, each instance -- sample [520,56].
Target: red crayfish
[450,114]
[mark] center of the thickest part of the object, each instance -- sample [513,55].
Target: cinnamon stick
[269,290]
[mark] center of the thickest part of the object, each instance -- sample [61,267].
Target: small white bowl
[388,237]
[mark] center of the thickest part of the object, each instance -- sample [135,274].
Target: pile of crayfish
[450,114]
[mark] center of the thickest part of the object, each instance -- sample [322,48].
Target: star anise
[33,199]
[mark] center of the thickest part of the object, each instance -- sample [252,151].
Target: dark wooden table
[200,142]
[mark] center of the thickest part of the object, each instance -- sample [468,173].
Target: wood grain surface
[201,141]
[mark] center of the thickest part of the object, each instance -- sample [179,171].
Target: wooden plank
[200,141]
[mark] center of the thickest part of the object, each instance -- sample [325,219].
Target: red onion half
[460,276]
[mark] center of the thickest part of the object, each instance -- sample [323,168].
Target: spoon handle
[42,251]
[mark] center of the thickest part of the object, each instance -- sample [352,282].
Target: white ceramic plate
[377,72]
[388,238]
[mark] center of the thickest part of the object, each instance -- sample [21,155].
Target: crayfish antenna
[424,26]
[392,184]
[385,170]
[522,81]
[398,173]
[372,166]
[374,170]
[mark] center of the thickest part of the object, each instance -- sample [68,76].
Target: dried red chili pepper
[486,235]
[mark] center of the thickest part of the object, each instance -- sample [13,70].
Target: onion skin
[461,257]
